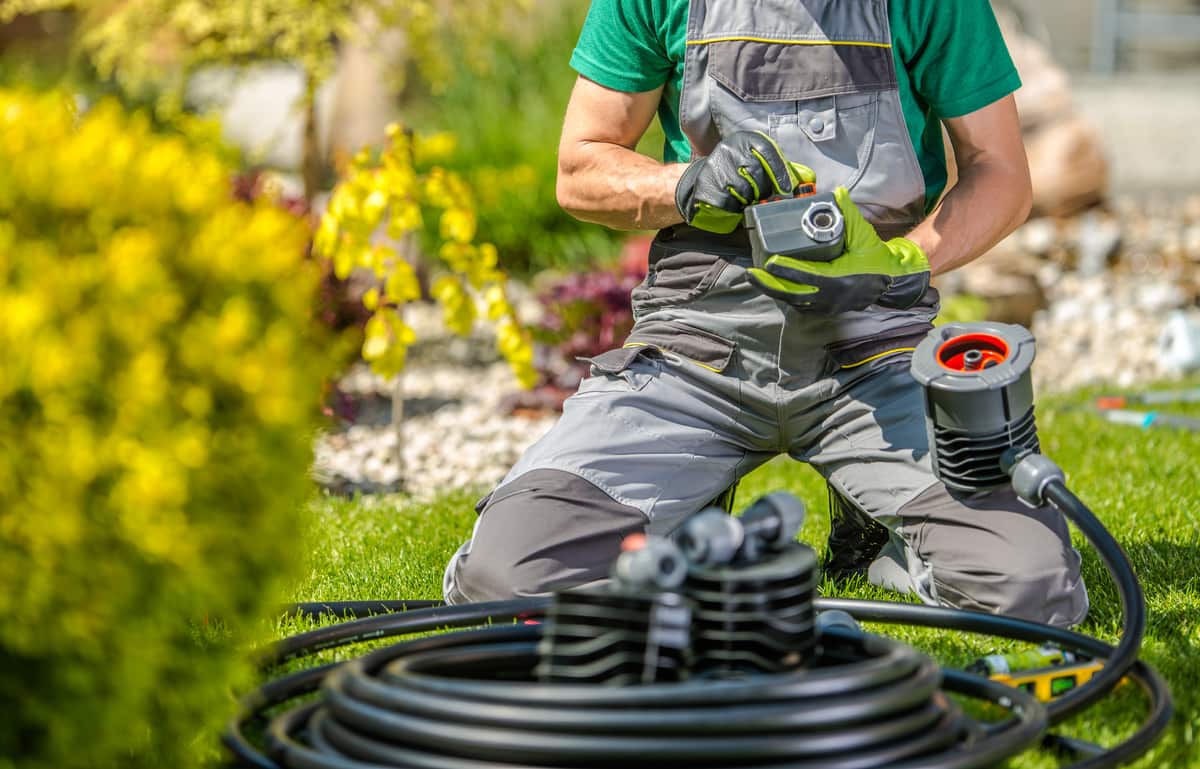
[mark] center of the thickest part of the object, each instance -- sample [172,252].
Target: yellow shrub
[158,383]
[397,192]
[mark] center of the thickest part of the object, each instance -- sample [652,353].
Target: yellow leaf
[401,285]
[344,206]
[376,326]
[435,148]
[444,288]
[458,225]
[343,263]
[497,303]
[406,217]
[376,260]
[373,207]
[527,377]
[402,333]
[375,348]
[489,257]
[325,242]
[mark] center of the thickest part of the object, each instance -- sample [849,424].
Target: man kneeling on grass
[728,365]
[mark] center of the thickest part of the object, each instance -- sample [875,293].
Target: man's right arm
[601,177]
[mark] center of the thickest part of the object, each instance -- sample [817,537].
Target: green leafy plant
[136,40]
[157,400]
[962,308]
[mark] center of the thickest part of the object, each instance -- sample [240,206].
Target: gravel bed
[1121,289]
[1108,330]
[457,429]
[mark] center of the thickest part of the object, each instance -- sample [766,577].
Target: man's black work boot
[855,539]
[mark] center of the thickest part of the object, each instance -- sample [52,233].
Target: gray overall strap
[819,77]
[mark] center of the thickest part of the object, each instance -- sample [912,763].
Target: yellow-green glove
[743,169]
[891,274]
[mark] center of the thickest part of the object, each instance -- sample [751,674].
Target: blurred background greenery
[507,142]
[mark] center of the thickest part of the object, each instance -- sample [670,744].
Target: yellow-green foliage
[157,389]
[394,191]
[138,41]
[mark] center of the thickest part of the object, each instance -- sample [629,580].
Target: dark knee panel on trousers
[989,552]
[541,531]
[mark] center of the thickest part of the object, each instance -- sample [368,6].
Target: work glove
[891,274]
[743,169]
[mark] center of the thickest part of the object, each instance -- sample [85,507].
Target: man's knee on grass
[989,552]
[545,530]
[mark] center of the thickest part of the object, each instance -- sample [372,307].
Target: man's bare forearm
[618,187]
[987,204]
[993,194]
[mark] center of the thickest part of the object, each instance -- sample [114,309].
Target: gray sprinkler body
[978,400]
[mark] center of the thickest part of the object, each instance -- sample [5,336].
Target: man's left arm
[993,194]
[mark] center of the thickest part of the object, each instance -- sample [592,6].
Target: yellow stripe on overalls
[862,362]
[883,354]
[689,360]
[731,38]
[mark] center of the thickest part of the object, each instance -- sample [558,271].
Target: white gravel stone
[1038,236]
[1104,329]
[468,442]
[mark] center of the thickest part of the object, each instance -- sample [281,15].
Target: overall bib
[717,378]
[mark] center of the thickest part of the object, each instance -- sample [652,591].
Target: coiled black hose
[465,700]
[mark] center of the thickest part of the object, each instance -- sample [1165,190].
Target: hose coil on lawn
[469,699]
[315,736]
[703,653]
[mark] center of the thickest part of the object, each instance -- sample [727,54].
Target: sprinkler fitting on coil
[978,400]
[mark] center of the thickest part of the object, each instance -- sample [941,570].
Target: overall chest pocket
[819,101]
[832,135]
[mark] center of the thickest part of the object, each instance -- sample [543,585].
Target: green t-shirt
[950,61]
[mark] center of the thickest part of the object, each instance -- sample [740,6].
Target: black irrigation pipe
[504,613]
[355,609]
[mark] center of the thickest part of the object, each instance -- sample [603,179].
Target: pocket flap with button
[627,369]
[654,337]
[819,125]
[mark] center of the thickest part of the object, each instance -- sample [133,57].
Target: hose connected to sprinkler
[710,651]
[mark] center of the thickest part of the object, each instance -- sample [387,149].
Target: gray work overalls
[717,378]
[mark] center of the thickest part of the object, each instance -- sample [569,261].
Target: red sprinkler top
[972,352]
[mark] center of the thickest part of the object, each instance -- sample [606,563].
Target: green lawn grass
[1144,486]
